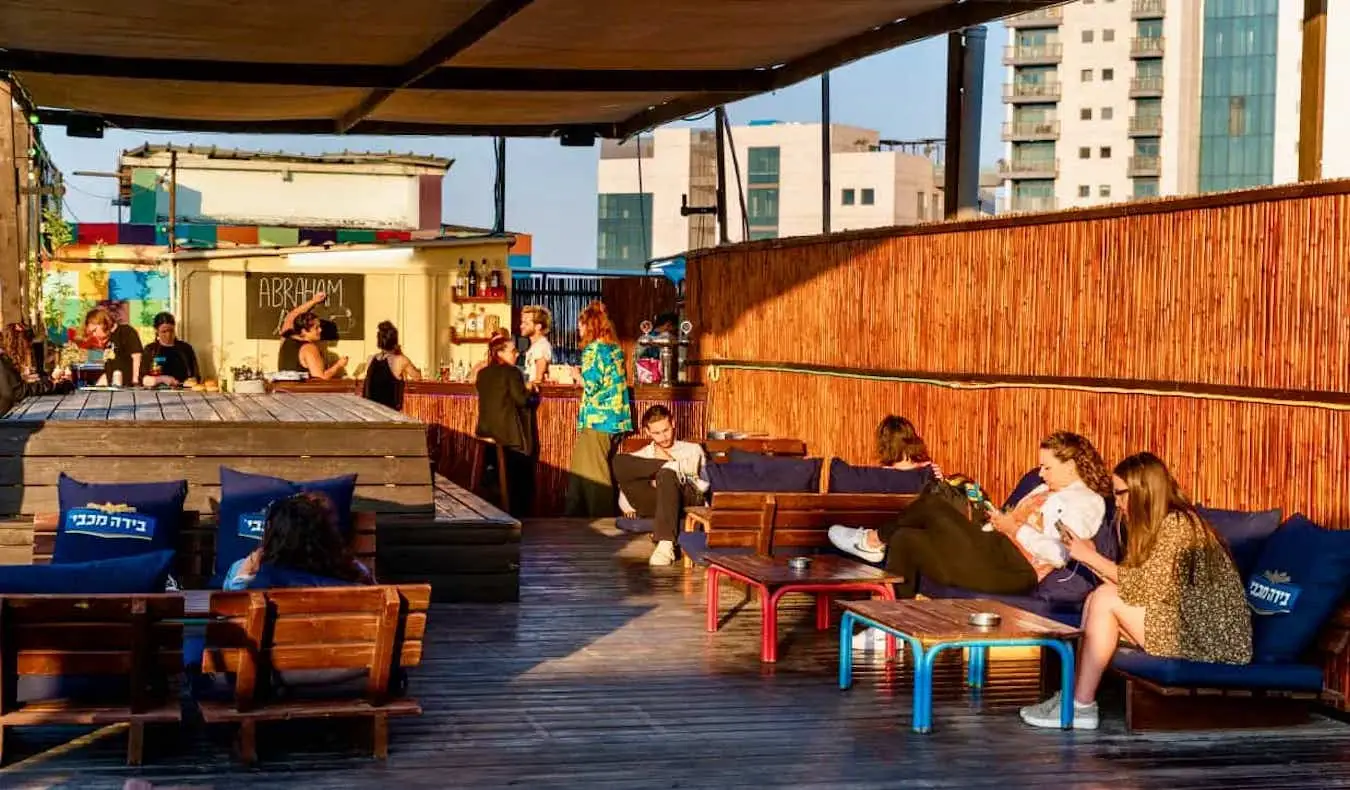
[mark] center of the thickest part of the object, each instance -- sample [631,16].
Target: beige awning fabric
[514,67]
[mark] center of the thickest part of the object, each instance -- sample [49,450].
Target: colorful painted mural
[135,294]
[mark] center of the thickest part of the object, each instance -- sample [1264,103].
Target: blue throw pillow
[772,475]
[101,521]
[273,576]
[1296,584]
[244,498]
[139,573]
[1029,482]
[848,479]
[1245,533]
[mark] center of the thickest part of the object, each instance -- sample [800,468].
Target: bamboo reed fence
[1079,321]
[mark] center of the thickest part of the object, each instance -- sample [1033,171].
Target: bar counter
[450,412]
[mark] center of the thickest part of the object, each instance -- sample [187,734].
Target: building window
[1087,36]
[625,230]
[869,197]
[1145,187]
[1240,45]
[1108,35]
[1084,153]
[1105,153]
[1108,75]
[922,207]
[1237,116]
[1085,75]
[1084,191]
[763,166]
[1085,114]
[1104,190]
[1108,113]
[762,211]
[848,197]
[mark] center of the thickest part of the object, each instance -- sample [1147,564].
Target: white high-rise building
[642,185]
[1110,100]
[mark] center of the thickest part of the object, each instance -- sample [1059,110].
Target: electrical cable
[740,188]
[642,208]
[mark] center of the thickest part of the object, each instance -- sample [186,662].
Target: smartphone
[1064,533]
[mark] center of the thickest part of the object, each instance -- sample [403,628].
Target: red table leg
[823,603]
[887,593]
[711,582]
[769,609]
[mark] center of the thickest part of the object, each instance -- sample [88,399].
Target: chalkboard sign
[272,295]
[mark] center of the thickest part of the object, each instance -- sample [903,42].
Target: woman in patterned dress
[605,415]
[1177,593]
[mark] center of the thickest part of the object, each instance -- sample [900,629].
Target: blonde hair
[100,316]
[541,316]
[1153,496]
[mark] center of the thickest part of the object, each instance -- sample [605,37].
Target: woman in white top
[933,540]
[535,324]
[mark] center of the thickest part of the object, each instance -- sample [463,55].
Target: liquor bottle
[471,326]
[473,281]
[460,323]
[495,283]
[458,288]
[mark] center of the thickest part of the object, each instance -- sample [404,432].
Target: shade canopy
[583,68]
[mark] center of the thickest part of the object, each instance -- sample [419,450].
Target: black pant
[662,502]
[932,539]
[519,479]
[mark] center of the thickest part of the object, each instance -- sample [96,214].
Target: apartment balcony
[1149,47]
[1025,132]
[1029,168]
[1031,92]
[1145,126]
[1146,87]
[1148,9]
[1144,167]
[1046,17]
[1039,55]
[1034,203]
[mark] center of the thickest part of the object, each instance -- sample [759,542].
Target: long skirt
[590,486]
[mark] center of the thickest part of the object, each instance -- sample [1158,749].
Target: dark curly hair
[1067,446]
[302,534]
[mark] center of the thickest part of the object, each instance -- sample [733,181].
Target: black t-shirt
[123,342]
[177,360]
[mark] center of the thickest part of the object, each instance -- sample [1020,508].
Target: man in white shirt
[535,323]
[660,480]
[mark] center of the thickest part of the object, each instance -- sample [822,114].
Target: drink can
[117,378]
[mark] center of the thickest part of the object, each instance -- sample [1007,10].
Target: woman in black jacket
[16,362]
[504,416]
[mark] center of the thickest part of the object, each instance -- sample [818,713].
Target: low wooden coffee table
[931,626]
[827,576]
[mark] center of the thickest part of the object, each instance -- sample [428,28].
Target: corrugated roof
[346,157]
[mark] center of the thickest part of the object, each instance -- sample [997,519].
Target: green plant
[45,307]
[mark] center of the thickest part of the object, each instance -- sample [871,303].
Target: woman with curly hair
[17,378]
[933,539]
[606,413]
[302,546]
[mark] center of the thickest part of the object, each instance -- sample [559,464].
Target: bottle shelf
[481,299]
[457,339]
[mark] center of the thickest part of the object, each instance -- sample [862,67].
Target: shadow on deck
[602,677]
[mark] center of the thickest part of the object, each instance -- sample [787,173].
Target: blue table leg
[1066,681]
[923,688]
[846,650]
[975,670]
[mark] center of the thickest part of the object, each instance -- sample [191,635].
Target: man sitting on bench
[660,480]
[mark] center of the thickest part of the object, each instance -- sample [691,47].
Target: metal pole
[972,89]
[1312,103]
[825,189]
[499,188]
[173,201]
[951,175]
[719,120]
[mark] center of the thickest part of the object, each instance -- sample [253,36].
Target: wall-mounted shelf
[482,299]
[457,338]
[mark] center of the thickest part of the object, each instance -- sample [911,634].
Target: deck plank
[147,406]
[123,406]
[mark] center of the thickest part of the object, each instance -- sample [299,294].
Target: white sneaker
[1046,714]
[664,554]
[850,539]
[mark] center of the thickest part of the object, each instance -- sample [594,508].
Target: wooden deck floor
[602,677]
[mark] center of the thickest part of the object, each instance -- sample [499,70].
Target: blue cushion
[1029,482]
[848,479]
[273,576]
[244,498]
[139,573]
[1245,533]
[1179,672]
[1295,585]
[101,521]
[771,475]
[636,526]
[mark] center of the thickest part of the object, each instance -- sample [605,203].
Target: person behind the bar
[604,415]
[663,326]
[121,346]
[18,380]
[660,480]
[301,331]
[504,416]
[167,359]
[388,369]
[1176,593]
[535,324]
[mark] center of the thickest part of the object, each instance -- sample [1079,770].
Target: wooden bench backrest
[719,450]
[764,521]
[139,636]
[194,564]
[378,628]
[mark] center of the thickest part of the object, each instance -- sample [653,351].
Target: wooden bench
[765,522]
[194,562]
[257,633]
[134,638]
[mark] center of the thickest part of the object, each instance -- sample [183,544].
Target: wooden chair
[134,639]
[194,563]
[476,476]
[257,633]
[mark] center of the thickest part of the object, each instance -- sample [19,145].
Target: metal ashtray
[985,619]
[799,563]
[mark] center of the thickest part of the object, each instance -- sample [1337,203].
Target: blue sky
[551,189]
